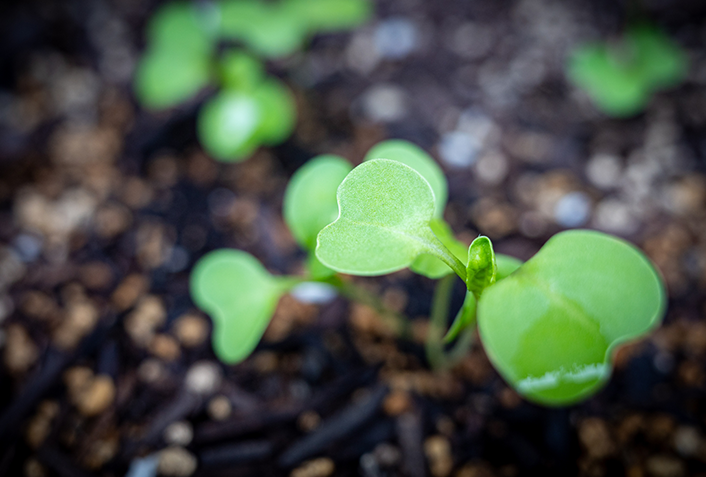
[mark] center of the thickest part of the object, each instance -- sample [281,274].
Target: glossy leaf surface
[551,326]
[310,199]
[416,158]
[383,225]
[240,296]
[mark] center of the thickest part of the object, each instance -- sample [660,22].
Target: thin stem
[398,322]
[434,346]
[444,254]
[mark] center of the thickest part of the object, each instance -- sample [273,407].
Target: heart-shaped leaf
[416,158]
[551,326]
[310,199]
[240,296]
[383,225]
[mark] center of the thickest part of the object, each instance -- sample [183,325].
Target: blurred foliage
[621,77]
[252,108]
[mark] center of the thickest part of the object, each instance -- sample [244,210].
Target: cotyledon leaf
[383,225]
[551,326]
[310,199]
[481,270]
[240,296]
[416,158]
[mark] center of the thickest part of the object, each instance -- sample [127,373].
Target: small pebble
[33,468]
[28,247]
[384,103]
[219,408]
[204,377]
[314,293]
[604,170]
[20,352]
[165,347]
[97,396]
[176,461]
[438,452]
[308,421]
[191,330]
[151,371]
[687,440]
[321,467]
[595,437]
[129,291]
[396,38]
[147,317]
[572,210]
[459,149]
[39,426]
[144,466]
[397,402]
[387,455]
[492,168]
[179,433]
[664,466]
[614,216]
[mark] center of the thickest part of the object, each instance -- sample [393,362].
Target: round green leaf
[228,125]
[165,77]
[661,62]
[239,295]
[383,223]
[329,15]
[278,111]
[416,158]
[551,326]
[310,199]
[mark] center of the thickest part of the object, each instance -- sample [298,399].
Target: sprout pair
[620,78]
[252,108]
[549,325]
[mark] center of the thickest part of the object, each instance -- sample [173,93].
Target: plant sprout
[251,108]
[620,78]
[550,326]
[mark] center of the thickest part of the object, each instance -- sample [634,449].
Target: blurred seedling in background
[550,325]
[621,77]
[191,46]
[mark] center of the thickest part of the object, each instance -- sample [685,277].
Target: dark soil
[105,207]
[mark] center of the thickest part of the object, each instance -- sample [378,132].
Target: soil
[107,366]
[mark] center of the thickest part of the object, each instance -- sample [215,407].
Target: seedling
[252,108]
[621,77]
[550,325]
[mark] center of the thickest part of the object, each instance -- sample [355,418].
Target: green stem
[444,254]
[398,322]
[434,346]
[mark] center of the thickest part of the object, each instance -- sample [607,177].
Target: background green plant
[251,108]
[622,76]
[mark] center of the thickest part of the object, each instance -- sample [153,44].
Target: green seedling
[550,326]
[621,77]
[240,295]
[251,108]
[310,203]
